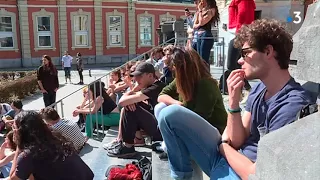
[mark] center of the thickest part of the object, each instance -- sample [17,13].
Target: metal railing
[216,52]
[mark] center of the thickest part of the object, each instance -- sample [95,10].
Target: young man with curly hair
[273,103]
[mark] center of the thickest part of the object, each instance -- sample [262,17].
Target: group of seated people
[40,145]
[188,114]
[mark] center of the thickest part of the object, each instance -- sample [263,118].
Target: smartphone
[186,9]
[224,26]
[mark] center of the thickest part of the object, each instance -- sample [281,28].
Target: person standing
[80,67]
[66,64]
[241,12]
[206,16]
[48,81]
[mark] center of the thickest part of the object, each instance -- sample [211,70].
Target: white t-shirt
[67,60]
[4,108]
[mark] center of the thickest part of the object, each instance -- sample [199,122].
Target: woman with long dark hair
[44,153]
[206,16]
[193,88]
[193,92]
[103,108]
[48,81]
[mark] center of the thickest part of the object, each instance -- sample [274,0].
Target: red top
[241,12]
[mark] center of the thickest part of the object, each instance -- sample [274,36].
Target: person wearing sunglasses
[273,103]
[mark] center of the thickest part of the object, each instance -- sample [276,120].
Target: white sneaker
[111,144]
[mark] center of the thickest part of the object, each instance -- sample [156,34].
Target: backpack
[140,170]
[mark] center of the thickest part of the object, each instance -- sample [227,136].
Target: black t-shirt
[72,168]
[153,92]
[108,105]
[48,79]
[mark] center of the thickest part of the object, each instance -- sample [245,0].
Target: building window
[6,32]
[115,35]
[167,17]
[44,31]
[115,24]
[81,31]
[145,31]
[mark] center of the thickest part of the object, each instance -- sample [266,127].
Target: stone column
[63,31]
[25,33]
[132,29]
[98,29]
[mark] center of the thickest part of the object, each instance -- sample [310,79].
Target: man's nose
[240,61]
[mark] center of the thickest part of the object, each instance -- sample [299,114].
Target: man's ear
[269,50]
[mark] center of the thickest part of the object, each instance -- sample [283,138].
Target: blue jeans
[5,170]
[204,46]
[189,136]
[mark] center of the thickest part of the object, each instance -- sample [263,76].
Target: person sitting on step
[44,153]
[7,151]
[139,110]
[8,118]
[103,111]
[193,88]
[68,128]
[116,85]
[273,103]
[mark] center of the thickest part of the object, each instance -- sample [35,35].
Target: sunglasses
[245,52]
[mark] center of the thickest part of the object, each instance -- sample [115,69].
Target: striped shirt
[71,131]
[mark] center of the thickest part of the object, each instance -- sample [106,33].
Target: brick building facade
[103,31]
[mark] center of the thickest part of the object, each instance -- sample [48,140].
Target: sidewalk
[35,102]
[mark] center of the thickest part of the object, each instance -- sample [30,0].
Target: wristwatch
[224,141]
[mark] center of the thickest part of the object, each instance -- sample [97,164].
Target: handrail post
[101,111]
[61,106]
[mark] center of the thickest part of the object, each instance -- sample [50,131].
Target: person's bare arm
[168,100]
[238,162]
[132,98]
[238,128]
[96,105]
[7,159]
[41,86]
[204,17]
[120,87]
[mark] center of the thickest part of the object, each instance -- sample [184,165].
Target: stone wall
[292,152]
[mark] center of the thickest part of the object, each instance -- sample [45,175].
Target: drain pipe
[21,51]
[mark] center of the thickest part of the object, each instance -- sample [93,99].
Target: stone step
[97,159]
[161,169]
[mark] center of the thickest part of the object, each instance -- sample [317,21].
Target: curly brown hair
[264,32]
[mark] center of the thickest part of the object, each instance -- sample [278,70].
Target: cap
[143,67]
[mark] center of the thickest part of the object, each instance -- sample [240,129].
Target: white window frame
[73,16]
[13,33]
[147,15]
[37,34]
[80,32]
[122,29]
[167,17]
[44,33]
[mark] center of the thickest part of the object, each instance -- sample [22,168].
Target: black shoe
[122,151]
[163,156]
